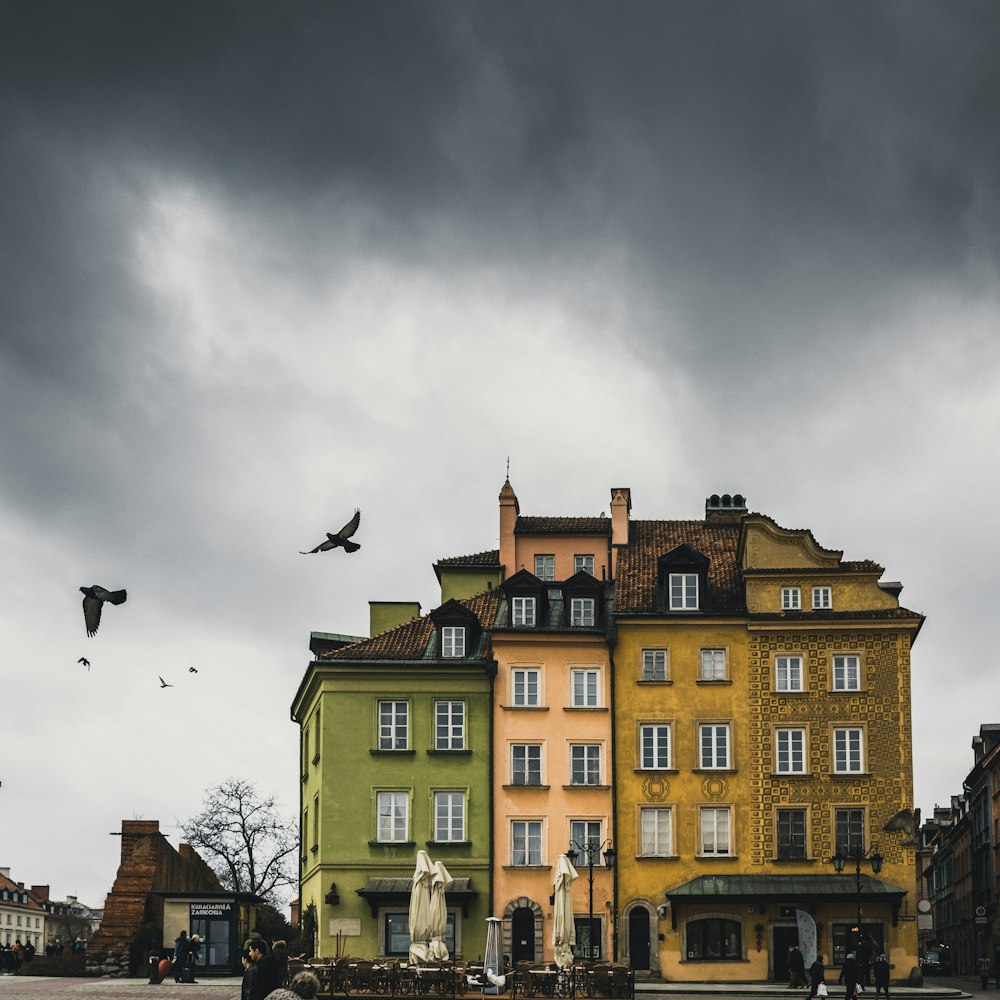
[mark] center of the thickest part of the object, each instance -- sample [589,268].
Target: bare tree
[246,843]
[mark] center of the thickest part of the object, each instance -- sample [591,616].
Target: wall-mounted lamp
[331,897]
[661,911]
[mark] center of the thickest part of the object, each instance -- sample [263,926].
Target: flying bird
[164,684]
[93,600]
[192,670]
[84,661]
[341,539]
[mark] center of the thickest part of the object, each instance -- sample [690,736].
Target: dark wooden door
[522,935]
[784,938]
[638,938]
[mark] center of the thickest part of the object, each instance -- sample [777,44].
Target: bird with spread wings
[94,599]
[341,539]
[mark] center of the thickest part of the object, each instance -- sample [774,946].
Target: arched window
[714,939]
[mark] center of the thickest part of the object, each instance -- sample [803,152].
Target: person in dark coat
[249,973]
[881,970]
[850,976]
[180,954]
[796,967]
[279,949]
[817,975]
[266,977]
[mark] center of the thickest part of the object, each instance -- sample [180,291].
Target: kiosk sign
[202,910]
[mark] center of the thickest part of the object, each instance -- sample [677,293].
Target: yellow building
[762,726]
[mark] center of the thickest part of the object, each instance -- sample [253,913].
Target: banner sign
[807,936]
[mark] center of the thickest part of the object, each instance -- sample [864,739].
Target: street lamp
[857,854]
[591,849]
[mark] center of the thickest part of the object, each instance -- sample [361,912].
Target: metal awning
[784,888]
[389,891]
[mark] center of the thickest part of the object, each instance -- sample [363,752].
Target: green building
[395,757]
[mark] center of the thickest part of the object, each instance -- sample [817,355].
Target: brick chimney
[621,507]
[725,509]
[509,511]
[40,892]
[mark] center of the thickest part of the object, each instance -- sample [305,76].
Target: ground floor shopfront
[222,921]
[739,928]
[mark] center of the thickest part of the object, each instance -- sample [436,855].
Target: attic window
[683,591]
[582,612]
[523,609]
[453,640]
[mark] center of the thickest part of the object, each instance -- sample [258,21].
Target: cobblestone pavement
[42,987]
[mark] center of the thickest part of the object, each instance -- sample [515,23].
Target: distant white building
[22,915]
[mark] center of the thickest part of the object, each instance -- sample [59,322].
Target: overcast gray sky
[263,263]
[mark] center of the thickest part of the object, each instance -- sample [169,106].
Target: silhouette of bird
[84,661]
[192,670]
[340,540]
[93,600]
[164,684]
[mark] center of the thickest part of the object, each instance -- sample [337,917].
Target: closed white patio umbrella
[441,882]
[420,908]
[563,925]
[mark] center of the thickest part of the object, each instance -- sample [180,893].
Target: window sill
[715,770]
[584,708]
[433,751]
[598,788]
[656,770]
[653,680]
[713,680]
[717,857]
[448,843]
[791,774]
[507,788]
[847,691]
[525,708]
[657,857]
[797,861]
[392,843]
[532,868]
[850,774]
[375,752]
[779,691]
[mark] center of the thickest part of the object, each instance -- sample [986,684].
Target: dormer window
[683,591]
[582,612]
[522,610]
[453,640]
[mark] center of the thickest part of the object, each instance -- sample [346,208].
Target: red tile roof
[489,558]
[635,588]
[409,641]
[563,525]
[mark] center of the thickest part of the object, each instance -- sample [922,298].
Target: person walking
[266,979]
[881,970]
[180,954]
[817,975]
[850,976]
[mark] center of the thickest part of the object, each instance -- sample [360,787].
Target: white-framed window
[683,591]
[713,743]
[788,673]
[846,672]
[523,610]
[393,813]
[655,832]
[526,764]
[526,842]
[654,746]
[582,612]
[583,564]
[393,725]
[587,831]
[654,664]
[713,665]
[822,599]
[449,817]
[848,750]
[715,827]
[449,725]
[453,640]
[526,686]
[790,751]
[585,763]
[545,567]
[586,685]
[791,599]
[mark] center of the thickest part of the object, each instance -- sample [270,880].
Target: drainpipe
[491,671]
[612,637]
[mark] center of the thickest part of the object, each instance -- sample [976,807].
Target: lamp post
[591,849]
[857,854]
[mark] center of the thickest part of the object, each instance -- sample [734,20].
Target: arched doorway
[522,935]
[638,938]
